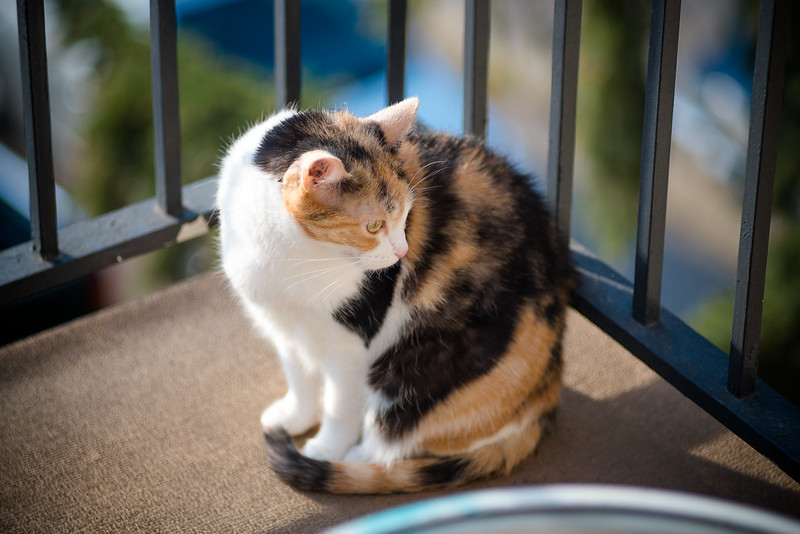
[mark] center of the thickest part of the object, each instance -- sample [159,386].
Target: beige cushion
[145,417]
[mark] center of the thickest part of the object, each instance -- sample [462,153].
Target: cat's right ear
[395,120]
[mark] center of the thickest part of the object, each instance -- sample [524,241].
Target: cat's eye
[374,226]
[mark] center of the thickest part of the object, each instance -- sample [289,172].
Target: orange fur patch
[480,409]
[476,189]
[431,294]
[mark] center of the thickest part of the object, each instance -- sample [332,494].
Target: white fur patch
[290,285]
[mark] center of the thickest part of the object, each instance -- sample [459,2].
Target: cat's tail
[406,476]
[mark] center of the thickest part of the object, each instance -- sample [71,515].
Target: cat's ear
[319,170]
[395,120]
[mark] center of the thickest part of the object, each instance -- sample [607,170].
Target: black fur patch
[301,133]
[432,361]
[293,468]
[556,358]
[548,421]
[459,343]
[364,313]
[438,159]
[553,312]
[384,196]
[286,141]
[443,472]
[375,130]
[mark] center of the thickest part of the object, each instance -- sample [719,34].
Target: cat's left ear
[320,175]
[319,170]
[396,120]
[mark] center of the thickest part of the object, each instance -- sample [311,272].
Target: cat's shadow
[648,436]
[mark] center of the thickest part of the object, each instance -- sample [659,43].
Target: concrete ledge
[144,417]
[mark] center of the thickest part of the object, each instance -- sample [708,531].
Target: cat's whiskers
[429,175]
[313,268]
[313,273]
[306,276]
[428,188]
[421,169]
[329,290]
[336,261]
[302,261]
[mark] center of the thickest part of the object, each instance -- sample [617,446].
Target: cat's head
[341,180]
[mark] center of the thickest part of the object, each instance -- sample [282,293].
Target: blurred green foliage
[610,114]
[610,100]
[219,96]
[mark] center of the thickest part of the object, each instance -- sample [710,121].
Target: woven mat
[144,417]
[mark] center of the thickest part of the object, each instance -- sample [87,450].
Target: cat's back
[477,222]
[487,279]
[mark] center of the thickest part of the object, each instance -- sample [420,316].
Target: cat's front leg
[373,448]
[299,410]
[343,412]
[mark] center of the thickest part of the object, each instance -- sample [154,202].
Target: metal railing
[176,214]
[724,385]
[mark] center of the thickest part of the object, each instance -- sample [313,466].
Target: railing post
[476,67]
[36,107]
[166,113]
[762,154]
[563,97]
[396,51]
[656,138]
[287,52]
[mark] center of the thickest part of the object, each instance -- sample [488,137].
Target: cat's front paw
[319,449]
[332,442]
[290,415]
[358,453]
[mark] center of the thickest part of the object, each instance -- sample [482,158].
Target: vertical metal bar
[36,107]
[476,67]
[656,139]
[563,96]
[287,52]
[166,113]
[762,154]
[396,51]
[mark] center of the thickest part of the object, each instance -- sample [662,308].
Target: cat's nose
[399,244]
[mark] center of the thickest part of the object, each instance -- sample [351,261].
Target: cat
[415,288]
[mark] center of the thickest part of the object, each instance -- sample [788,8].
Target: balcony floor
[145,417]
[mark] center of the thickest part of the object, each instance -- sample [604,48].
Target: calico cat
[415,289]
